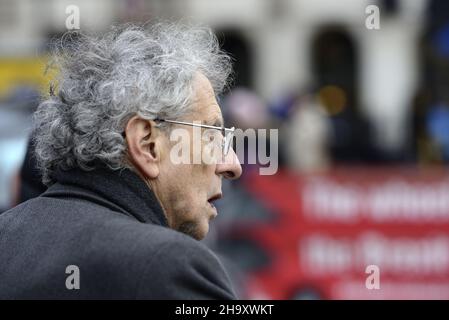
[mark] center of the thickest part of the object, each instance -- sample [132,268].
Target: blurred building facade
[278,36]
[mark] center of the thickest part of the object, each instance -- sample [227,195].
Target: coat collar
[121,190]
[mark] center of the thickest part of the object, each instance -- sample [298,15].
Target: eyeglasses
[228,133]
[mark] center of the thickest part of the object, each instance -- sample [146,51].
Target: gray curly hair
[104,80]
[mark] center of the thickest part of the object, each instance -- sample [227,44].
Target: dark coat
[110,225]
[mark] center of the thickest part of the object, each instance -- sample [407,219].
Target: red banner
[353,234]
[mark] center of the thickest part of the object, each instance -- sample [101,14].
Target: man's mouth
[214,198]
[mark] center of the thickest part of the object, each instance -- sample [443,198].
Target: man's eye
[213,136]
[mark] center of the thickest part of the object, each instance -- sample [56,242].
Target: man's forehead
[217,121]
[205,104]
[210,115]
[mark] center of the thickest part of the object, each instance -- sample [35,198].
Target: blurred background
[363,120]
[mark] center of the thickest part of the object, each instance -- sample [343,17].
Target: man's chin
[194,230]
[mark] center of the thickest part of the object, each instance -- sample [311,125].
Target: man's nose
[230,167]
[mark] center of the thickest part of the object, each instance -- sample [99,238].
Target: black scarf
[121,190]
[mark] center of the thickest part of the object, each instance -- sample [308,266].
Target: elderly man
[121,218]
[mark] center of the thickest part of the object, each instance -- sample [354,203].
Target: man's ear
[143,148]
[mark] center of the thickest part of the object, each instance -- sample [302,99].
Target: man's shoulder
[166,264]
[73,216]
[184,268]
[114,251]
[157,246]
[144,237]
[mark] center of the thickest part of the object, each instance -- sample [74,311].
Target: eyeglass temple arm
[196,125]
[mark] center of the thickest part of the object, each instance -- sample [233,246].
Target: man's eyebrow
[217,122]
